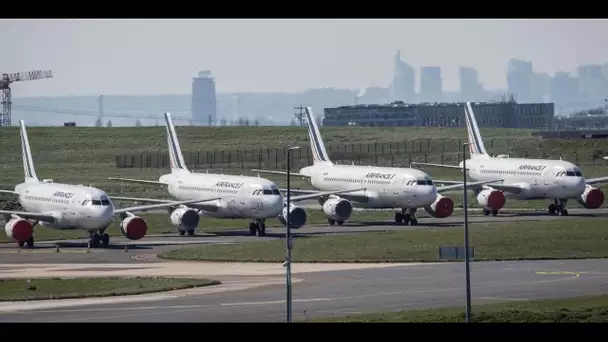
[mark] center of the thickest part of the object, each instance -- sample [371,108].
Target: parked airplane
[387,187]
[524,179]
[240,196]
[66,206]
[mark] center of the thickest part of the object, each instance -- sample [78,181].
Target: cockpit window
[276,192]
[267,192]
[570,173]
[105,202]
[429,182]
[578,173]
[424,182]
[96,202]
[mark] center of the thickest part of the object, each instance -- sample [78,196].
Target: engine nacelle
[133,227]
[591,198]
[441,208]
[185,219]
[338,209]
[19,229]
[491,198]
[297,216]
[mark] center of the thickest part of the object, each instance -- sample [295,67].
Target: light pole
[466,234]
[288,243]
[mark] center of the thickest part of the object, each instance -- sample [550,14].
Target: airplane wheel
[486,212]
[182,232]
[340,223]
[105,240]
[398,218]
[253,227]
[565,212]
[552,209]
[94,241]
[190,232]
[20,244]
[331,222]
[414,222]
[495,212]
[261,231]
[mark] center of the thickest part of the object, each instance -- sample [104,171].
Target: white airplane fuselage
[72,206]
[386,187]
[241,196]
[539,179]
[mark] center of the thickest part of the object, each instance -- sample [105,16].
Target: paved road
[356,291]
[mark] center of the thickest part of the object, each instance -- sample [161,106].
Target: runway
[349,291]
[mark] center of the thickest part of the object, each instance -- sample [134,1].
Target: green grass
[63,288]
[584,309]
[571,238]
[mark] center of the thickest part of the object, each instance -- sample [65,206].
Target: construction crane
[5,83]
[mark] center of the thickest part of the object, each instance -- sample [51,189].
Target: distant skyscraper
[470,88]
[592,85]
[540,85]
[204,105]
[519,79]
[563,88]
[430,84]
[404,81]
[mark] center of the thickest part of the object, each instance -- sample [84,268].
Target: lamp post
[466,234]
[288,243]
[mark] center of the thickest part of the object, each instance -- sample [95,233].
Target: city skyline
[158,57]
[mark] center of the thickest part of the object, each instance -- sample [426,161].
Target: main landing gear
[487,212]
[184,232]
[332,222]
[406,216]
[558,208]
[97,237]
[257,227]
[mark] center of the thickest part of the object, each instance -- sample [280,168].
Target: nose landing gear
[97,237]
[257,227]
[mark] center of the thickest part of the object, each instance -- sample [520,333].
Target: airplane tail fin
[319,153]
[26,154]
[176,158]
[476,147]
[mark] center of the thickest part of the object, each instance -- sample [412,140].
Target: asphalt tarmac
[339,293]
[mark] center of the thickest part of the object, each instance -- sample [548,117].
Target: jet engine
[591,198]
[491,198]
[441,208]
[133,227]
[19,229]
[297,216]
[185,219]
[338,209]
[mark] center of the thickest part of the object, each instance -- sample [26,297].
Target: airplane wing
[139,199]
[302,191]
[459,185]
[9,192]
[592,181]
[29,215]
[280,172]
[141,181]
[320,194]
[439,165]
[162,205]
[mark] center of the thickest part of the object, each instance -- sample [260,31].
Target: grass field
[575,238]
[87,155]
[584,309]
[63,288]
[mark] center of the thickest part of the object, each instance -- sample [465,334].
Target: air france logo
[378,175]
[532,167]
[63,194]
[229,185]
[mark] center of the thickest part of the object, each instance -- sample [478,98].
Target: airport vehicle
[524,178]
[239,196]
[387,187]
[66,206]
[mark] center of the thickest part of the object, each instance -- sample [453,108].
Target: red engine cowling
[19,229]
[133,227]
[491,198]
[591,198]
[441,208]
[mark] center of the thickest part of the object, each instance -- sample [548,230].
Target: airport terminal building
[488,114]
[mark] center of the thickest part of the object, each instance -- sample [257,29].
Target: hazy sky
[161,56]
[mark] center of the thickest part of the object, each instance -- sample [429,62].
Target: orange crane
[5,82]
